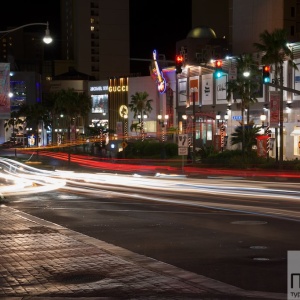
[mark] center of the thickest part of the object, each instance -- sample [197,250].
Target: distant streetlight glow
[246,73]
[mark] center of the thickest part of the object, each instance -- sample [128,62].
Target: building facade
[211,118]
[95,35]
[241,22]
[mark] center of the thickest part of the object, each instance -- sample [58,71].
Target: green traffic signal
[218,68]
[266,74]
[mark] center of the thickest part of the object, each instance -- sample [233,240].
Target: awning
[295,132]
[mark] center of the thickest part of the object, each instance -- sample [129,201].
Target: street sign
[183,140]
[232,73]
[182,151]
[124,145]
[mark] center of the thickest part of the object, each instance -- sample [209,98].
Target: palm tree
[140,105]
[33,114]
[246,134]
[16,122]
[135,127]
[245,88]
[276,50]
[71,104]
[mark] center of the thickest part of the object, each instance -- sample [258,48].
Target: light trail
[177,191]
[22,179]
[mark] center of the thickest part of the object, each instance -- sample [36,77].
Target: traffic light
[266,74]
[179,63]
[218,67]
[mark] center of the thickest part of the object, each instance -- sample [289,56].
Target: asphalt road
[248,250]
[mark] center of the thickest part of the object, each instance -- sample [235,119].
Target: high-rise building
[95,35]
[241,22]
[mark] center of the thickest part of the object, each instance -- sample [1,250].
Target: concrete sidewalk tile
[41,259]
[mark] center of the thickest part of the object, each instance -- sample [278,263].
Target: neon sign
[161,82]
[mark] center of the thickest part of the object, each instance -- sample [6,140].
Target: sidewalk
[42,260]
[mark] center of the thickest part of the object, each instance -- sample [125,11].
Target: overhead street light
[47,38]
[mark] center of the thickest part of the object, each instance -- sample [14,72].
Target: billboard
[4,88]
[274,108]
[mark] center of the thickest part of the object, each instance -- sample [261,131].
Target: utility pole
[281,88]
[281,117]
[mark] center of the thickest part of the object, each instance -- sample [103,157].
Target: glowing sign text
[119,88]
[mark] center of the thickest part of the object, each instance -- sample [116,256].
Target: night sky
[18,13]
[153,25]
[158,25]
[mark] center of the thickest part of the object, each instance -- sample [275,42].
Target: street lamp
[141,118]
[47,38]
[184,118]
[263,119]
[246,73]
[123,112]
[194,90]
[163,121]
[267,132]
[125,130]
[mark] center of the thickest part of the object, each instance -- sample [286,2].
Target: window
[292,30]
[293,12]
[296,134]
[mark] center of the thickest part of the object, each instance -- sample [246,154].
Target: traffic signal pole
[178,63]
[281,88]
[281,118]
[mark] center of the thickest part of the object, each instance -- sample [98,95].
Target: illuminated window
[296,134]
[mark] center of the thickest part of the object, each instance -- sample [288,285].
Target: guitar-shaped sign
[161,82]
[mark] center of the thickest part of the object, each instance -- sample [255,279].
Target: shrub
[150,149]
[171,149]
[235,159]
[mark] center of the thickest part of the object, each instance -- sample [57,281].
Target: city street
[230,229]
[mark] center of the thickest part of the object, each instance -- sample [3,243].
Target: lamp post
[163,122]
[263,118]
[47,38]
[159,118]
[194,91]
[125,117]
[141,118]
[125,128]
[184,118]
